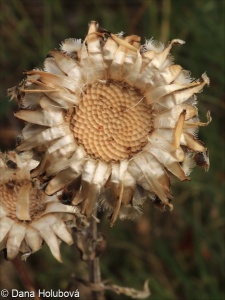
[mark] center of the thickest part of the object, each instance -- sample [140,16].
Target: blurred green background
[181,253]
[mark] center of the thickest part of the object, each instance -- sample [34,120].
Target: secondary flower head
[27,215]
[114,119]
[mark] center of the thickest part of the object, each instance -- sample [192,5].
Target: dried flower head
[113,117]
[27,215]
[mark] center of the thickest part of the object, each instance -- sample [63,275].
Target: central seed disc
[9,197]
[112,121]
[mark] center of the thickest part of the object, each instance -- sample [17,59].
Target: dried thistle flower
[115,118]
[27,215]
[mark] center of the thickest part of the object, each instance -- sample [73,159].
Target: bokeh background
[182,254]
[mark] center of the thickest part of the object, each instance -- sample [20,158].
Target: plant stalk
[94,265]
[24,277]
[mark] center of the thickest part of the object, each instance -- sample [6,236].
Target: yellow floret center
[112,121]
